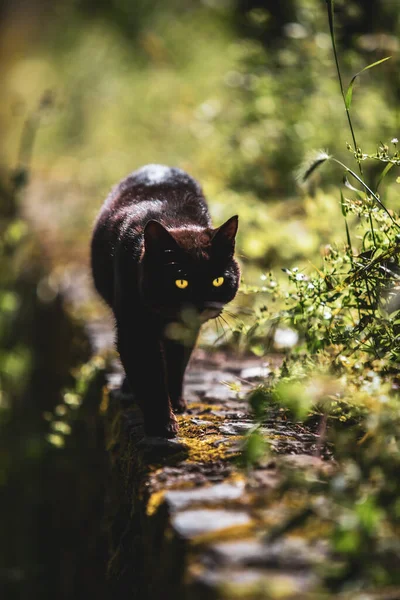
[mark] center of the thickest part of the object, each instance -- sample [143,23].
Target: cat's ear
[156,237]
[227,232]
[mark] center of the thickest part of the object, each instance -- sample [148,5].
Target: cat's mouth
[211,311]
[192,314]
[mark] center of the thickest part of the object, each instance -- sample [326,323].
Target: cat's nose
[210,310]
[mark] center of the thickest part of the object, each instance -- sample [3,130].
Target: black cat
[154,256]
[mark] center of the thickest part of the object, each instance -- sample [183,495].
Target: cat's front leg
[141,355]
[177,356]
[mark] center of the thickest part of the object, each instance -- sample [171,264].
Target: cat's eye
[218,281]
[181,283]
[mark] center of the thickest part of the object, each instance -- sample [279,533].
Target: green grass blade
[344,213]
[342,204]
[349,241]
[349,93]
[383,174]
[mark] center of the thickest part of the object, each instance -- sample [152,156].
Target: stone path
[201,511]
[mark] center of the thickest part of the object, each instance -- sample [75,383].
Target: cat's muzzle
[211,310]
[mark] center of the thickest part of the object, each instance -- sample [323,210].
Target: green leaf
[383,174]
[295,397]
[255,448]
[258,400]
[349,93]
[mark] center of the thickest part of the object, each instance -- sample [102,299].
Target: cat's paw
[171,428]
[165,429]
[179,405]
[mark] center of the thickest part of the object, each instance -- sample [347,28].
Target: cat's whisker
[228,326]
[236,321]
[217,330]
[221,322]
[242,310]
[230,315]
[224,333]
[225,321]
[228,312]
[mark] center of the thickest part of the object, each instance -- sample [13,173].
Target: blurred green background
[236,92]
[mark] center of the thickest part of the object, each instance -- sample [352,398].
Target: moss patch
[202,442]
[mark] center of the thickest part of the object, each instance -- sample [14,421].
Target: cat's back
[154,183]
[158,192]
[152,177]
[166,194]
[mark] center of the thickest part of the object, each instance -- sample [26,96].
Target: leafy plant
[343,373]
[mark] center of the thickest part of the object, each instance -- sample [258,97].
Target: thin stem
[332,32]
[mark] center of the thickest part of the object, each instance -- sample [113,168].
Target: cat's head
[189,268]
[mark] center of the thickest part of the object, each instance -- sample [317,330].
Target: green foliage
[342,372]
[236,116]
[349,92]
[255,449]
[14,354]
[62,418]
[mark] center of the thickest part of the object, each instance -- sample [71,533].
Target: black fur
[153,229]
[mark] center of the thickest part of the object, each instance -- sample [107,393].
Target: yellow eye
[181,283]
[218,281]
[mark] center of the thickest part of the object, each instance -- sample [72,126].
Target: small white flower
[285,338]
[394,141]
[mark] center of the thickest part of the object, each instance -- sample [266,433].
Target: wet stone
[158,446]
[197,390]
[221,441]
[236,428]
[255,373]
[290,553]
[270,583]
[264,479]
[188,474]
[214,494]
[305,461]
[236,415]
[202,422]
[191,523]
[201,382]
[219,394]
